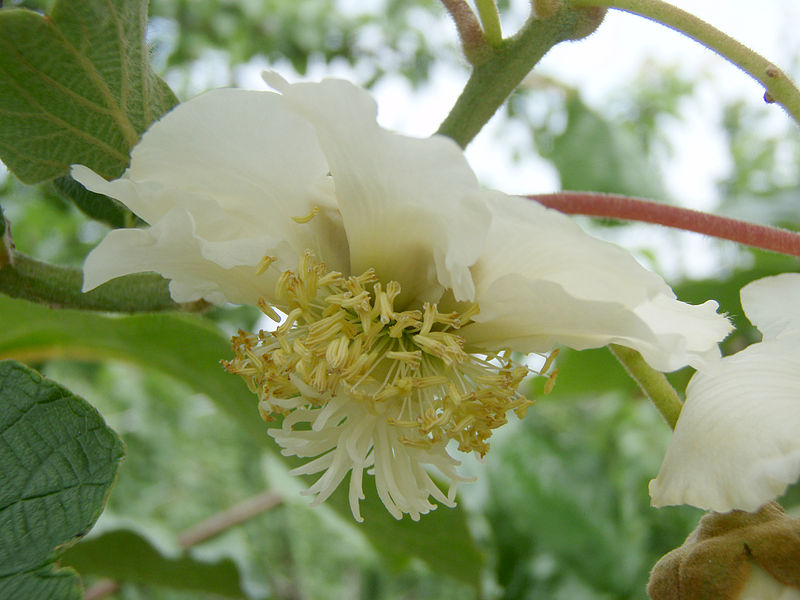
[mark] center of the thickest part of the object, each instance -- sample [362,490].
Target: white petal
[763,586]
[218,271]
[773,304]
[408,204]
[543,281]
[736,445]
[242,166]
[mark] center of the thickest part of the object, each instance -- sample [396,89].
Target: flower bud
[544,9]
[733,556]
[587,20]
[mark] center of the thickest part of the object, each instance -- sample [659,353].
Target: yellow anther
[325,329]
[264,264]
[551,382]
[445,346]
[549,362]
[400,423]
[301,350]
[358,302]
[424,382]
[384,301]
[428,319]
[452,319]
[468,315]
[337,354]
[409,319]
[416,443]
[413,357]
[282,285]
[314,212]
[344,335]
[367,277]
[268,310]
[330,278]
[319,377]
[293,315]
[264,411]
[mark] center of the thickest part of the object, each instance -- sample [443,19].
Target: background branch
[612,206]
[213,526]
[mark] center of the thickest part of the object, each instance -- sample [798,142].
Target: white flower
[737,441]
[407,286]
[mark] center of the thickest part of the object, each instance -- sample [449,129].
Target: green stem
[779,88]
[60,287]
[653,383]
[493,80]
[490,19]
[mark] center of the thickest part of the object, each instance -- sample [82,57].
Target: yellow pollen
[345,336]
[305,219]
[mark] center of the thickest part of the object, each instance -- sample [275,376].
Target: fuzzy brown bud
[718,558]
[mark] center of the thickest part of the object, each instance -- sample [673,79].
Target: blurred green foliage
[294,31]
[564,512]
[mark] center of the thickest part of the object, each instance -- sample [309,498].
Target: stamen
[549,361]
[268,310]
[344,337]
[314,212]
[264,264]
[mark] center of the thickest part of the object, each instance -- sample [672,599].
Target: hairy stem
[487,11]
[239,513]
[473,42]
[60,287]
[653,383]
[622,207]
[779,88]
[493,79]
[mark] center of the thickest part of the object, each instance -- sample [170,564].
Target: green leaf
[43,584]
[58,460]
[76,87]
[146,563]
[99,207]
[189,348]
[588,372]
[595,154]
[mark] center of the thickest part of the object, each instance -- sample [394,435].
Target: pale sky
[597,65]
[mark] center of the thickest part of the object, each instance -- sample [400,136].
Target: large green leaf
[147,563]
[189,348]
[77,87]
[58,460]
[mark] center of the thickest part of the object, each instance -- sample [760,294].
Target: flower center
[343,336]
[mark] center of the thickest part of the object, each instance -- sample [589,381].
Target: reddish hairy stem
[622,207]
[473,42]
